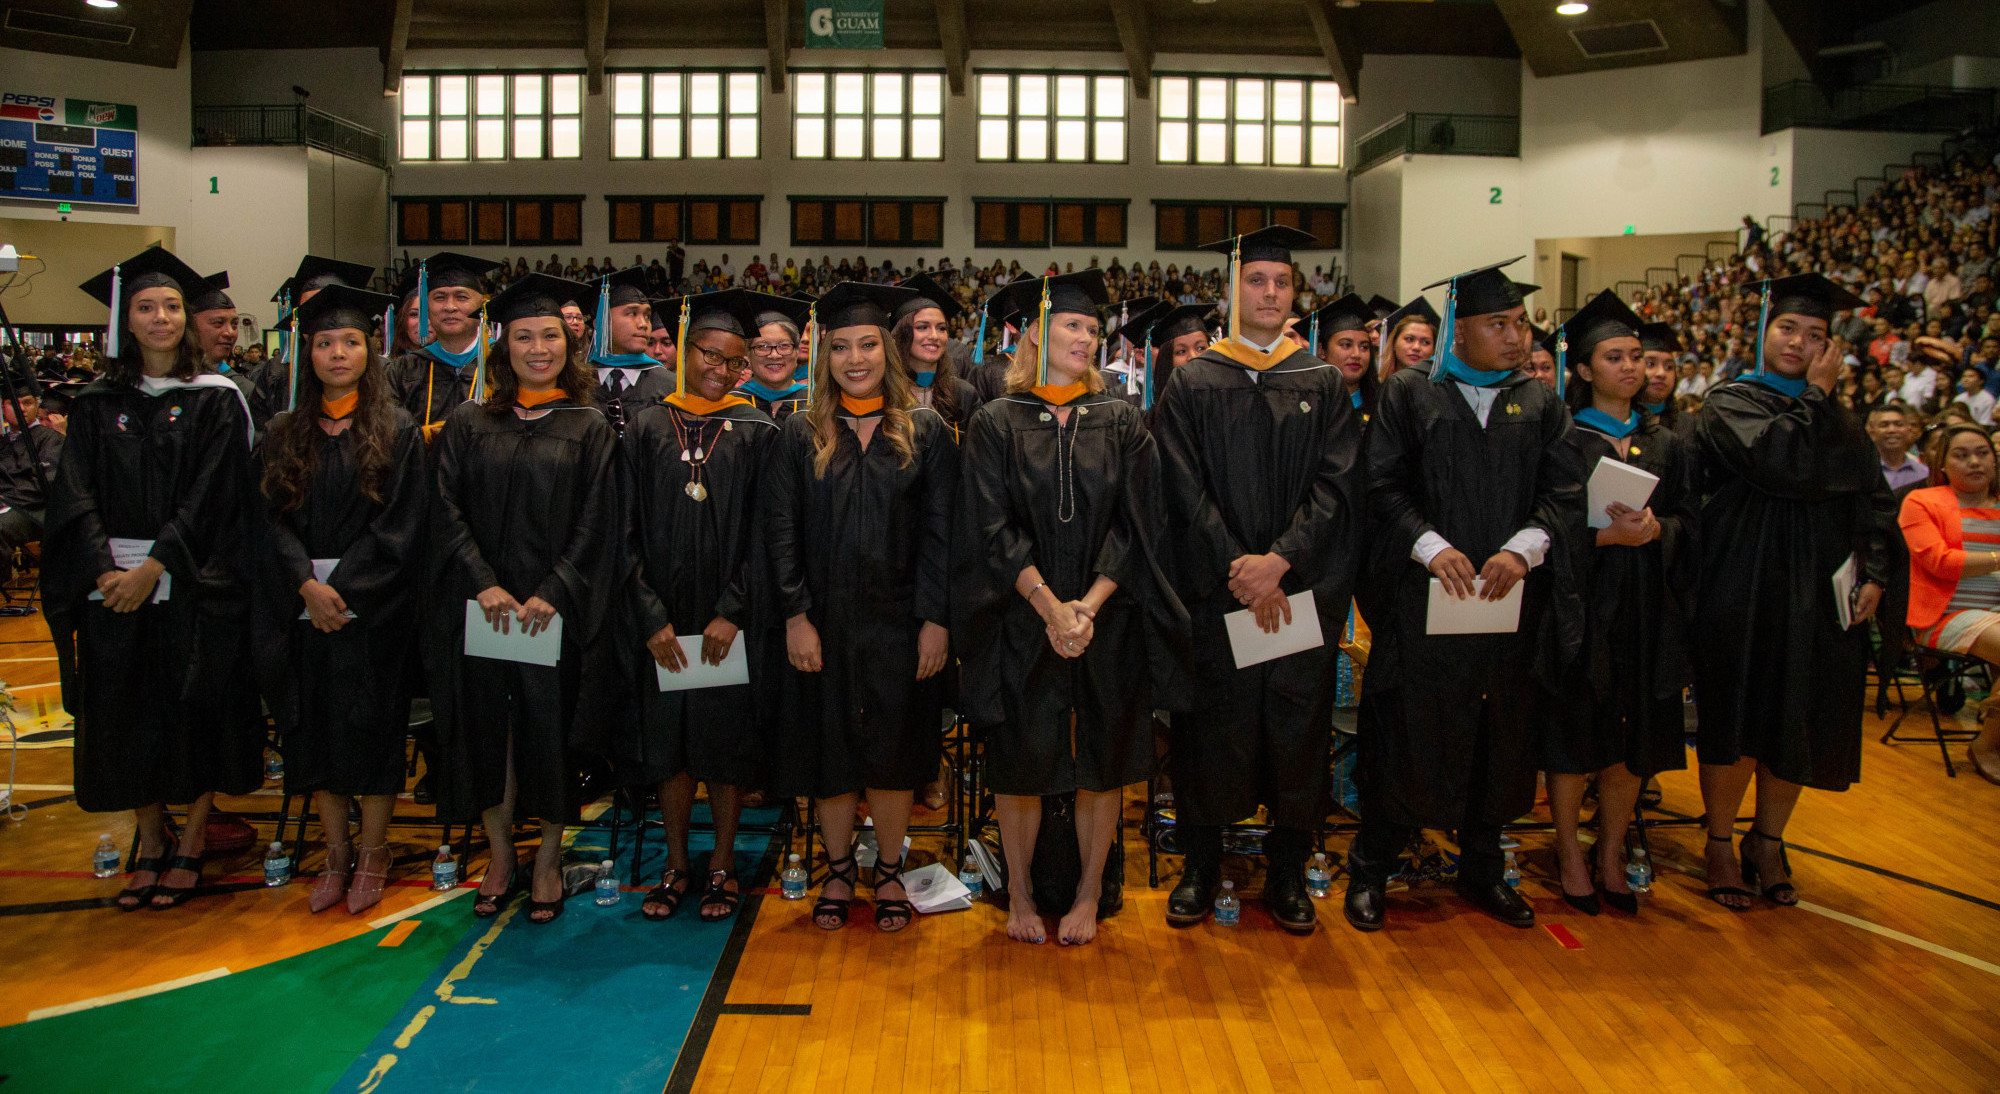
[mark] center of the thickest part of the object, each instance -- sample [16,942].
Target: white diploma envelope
[1254,647]
[127,554]
[1450,615]
[323,569]
[481,640]
[1615,480]
[1844,580]
[735,667]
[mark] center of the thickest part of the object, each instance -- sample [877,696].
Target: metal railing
[1439,135]
[1906,108]
[288,125]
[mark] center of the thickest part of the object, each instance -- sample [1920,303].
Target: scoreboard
[58,149]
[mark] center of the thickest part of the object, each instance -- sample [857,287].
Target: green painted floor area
[241,1034]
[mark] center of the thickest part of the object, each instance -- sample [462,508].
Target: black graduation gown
[1621,701]
[342,700]
[1432,753]
[968,399]
[775,409]
[20,485]
[1791,488]
[163,713]
[865,554]
[246,383]
[429,389]
[693,564]
[530,505]
[1074,501]
[636,388]
[989,377]
[1256,463]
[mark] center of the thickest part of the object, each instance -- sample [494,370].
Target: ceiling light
[1572,8]
[102,3]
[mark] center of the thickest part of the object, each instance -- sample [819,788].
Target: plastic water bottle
[104,860]
[1228,910]
[607,884]
[1319,877]
[274,765]
[277,866]
[444,870]
[792,883]
[970,877]
[1639,871]
[1513,873]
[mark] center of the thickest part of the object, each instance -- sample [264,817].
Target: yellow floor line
[122,996]
[1907,939]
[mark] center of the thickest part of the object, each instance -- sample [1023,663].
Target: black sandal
[666,893]
[487,905]
[891,915]
[1782,893]
[1716,891]
[175,896]
[829,908]
[156,866]
[551,909]
[715,896]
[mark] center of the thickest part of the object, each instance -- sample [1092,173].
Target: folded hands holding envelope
[1500,574]
[499,605]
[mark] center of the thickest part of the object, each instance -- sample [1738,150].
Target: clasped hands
[1500,574]
[1254,582]
[125,590]
[499,605]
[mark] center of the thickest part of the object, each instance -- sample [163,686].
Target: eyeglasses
[711,358]
[774,349]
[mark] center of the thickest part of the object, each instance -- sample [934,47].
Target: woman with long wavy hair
[921,329]
[856,514]
[345,499]
[143,578]
[528,527]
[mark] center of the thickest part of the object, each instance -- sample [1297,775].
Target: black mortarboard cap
[1525,289]
[794,309]
[862,304]
[1382,305]
[449,269]
[1081,293]
[1659,338]
[315,273]
[537,296]
[1419,307]
[1174,320]
[151,268]
[1001,308]
[732,310]
[628,286]
[1810,295]
[930,294]
[1604,316]
[1273,244]
[211,297]
[1484,290]
[342,307]
[1139,314]
[1350,312]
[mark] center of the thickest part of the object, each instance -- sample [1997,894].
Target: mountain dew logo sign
[843,24]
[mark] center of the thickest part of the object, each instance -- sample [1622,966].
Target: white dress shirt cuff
[1531,544]
[1429,546]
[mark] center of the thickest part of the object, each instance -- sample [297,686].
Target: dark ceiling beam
[596,24]
[1135,33]
[777,40]
[953,39]
[399,43]
[1336,41]
[1810,30]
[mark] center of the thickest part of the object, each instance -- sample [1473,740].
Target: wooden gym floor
[1887,978]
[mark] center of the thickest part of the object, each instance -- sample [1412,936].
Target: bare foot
[1024,921]
[1080,925]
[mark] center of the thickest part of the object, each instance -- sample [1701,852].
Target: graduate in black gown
[1792,490]
[989,369]
[1620,715]
[693,462]
[1338,333]
[1262,455]
[433,379]
[922,329]
[1542,359]
[627,376]
[28,458]
[855,516]
[1409,338]
[1173,336]
[1473,483]
[144,580]
[1070,636]
[341,557]
[527,525]
[773,386]
[273,382]
[212,322]
[1662,345]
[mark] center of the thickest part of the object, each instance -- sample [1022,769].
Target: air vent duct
[1620,39]
[63,26]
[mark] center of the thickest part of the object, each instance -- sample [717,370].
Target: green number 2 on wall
[1492,195]
[1774,176]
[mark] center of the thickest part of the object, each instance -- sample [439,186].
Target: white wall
[254,225]
[1375,230]
[347,214]
[1452,224]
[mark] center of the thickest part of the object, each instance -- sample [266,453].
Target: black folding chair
[1938,671]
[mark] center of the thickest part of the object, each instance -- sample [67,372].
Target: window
[492,115]
[1088,223]
[1249,121]
[669,115]
[1045,222]
[868,115]
[685,218]
[489,221]
[1035,116]
[432,221]
[870,221]
[551,221]
[1185,226]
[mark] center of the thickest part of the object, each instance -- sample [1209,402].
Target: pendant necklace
[695,454]
[1066,466]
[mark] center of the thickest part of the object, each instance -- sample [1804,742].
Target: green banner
[102,115]
[843,24]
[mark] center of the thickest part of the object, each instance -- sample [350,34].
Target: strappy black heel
[1716,891]
[891,915]
[487,905]
[175,897]
[837,869]
[156,866]
[1782,893]
[715,896]
[666,893]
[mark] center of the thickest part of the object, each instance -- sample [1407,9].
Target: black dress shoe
[422,793]
[1194,898]
[1366,904]
[1500,901]
[1291,905]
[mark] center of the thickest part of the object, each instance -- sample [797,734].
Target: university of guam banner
[843,24]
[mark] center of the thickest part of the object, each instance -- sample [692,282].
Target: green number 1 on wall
[211,185]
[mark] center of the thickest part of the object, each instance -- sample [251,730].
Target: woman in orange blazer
[1953,529]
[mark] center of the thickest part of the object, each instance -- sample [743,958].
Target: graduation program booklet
[1450,615]
[481,640]
[735,667]
[1254,647]
[1615,480]
[127,554]
[1843,591]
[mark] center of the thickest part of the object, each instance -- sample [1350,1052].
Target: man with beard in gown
[1262,451]
[1469,461]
